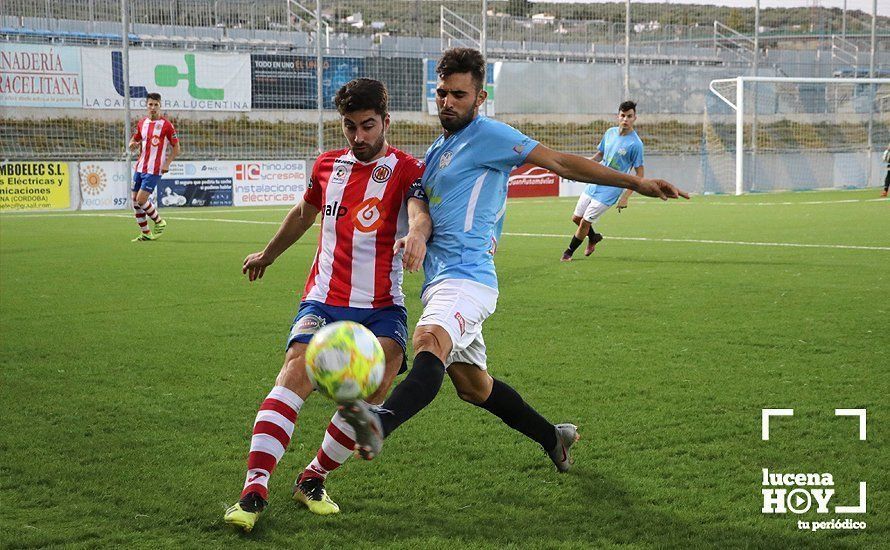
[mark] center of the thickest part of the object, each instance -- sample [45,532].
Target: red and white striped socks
[140,218]
[337,447]
[149,208]
[272,431]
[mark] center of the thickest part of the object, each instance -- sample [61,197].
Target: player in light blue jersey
[466,182]
[620,149]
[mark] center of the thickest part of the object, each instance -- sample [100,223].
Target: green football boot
[310,491]
[145,237]
[245,512]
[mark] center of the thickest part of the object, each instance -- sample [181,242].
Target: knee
[294,362]
[471,395]
[576,220]
[469,392]
[293,372]
[426,341]
[472,387]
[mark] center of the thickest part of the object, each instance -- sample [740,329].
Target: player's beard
[456,123]
[370,151]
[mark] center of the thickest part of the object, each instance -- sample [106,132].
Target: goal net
[771,133]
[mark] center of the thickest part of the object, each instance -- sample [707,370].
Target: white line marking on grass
[236,210]
[26,215]
[709,241]
[695,202]
[221,220]
[130,216]
[787,203]
[551,200]
[538,235]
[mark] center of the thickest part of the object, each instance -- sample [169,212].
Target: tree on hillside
[519,8]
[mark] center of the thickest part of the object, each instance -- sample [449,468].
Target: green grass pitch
[130,374]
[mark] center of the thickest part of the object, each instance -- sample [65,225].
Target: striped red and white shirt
[364,211]
[154,135]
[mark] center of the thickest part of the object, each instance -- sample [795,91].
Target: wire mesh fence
[239,77]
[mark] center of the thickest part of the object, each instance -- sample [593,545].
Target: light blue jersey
[466,182]
[621,153]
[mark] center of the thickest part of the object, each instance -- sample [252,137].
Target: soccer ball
[345,362]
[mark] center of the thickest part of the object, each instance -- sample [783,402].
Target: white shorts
[589,208]
[460,306]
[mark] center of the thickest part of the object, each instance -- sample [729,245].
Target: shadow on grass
[580,510]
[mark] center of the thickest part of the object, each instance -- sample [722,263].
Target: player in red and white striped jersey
[363,213]
[153,132]
[374,220]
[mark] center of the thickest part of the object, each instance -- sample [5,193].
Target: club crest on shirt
[445,160]
[339,174]
[381,173]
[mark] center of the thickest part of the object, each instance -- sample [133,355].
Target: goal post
[811,132]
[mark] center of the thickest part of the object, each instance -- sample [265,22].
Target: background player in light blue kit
[620,149]
[466,181]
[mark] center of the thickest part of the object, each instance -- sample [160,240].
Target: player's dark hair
[362,94]
[153,95]
[627,106]
[463,60]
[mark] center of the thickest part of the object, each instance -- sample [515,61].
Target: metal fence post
[319,76]
[125,53]
[871,91]
[627,50]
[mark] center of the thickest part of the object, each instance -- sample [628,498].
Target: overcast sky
[864,5]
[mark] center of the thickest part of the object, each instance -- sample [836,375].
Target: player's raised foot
[566,257]
[160,227]
[883,193]
[310,491]
[144,237]
[566,436]
[368,430]
[245,512]
[591,243]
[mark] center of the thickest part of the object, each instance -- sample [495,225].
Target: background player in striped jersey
[467,169]
[374,219]
[152,132]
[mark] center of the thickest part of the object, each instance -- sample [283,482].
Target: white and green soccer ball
[345,362]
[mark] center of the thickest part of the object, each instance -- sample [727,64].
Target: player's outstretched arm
[622,201]
[298,221]
[420,227]
[578,168]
